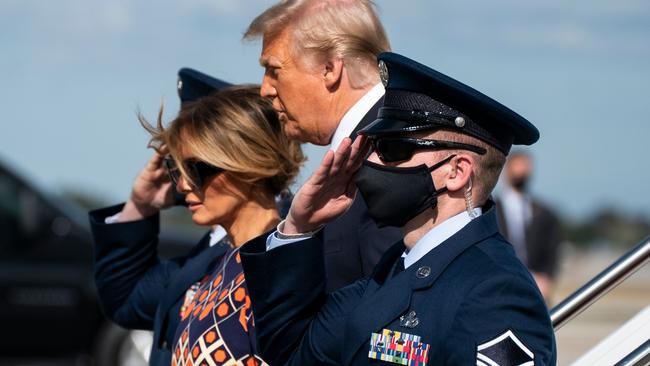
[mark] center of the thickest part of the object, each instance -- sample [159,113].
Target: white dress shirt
[517,212]
[217,233]
[353,116]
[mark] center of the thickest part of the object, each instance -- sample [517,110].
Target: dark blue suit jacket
[543,237]
[136,289]
[469,290]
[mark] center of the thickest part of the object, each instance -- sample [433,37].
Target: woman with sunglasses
[228,155]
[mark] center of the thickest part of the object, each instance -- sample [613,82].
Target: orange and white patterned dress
[217,326]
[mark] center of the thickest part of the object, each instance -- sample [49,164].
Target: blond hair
[488,166]
[234,129]
[349,30]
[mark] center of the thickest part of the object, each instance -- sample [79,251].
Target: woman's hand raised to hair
[330,191]
[151,191]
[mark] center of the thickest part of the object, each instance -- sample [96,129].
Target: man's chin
[296,135]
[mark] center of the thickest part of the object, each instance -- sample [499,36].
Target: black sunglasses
[393,149]
[196,170]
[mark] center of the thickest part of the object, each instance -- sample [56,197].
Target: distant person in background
[228,155]
[530,226]
[320,71]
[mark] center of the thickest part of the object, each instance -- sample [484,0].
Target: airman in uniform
[452,291]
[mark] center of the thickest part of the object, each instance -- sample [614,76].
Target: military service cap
[193,84]
[419,98]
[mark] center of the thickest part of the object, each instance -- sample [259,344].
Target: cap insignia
[383,73]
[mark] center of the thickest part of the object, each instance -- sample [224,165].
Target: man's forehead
[272,52]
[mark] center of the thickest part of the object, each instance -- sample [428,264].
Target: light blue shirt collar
[437,235]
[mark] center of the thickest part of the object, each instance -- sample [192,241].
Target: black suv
[48,304]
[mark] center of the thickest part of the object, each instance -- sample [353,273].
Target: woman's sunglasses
[196,170]
[394,149]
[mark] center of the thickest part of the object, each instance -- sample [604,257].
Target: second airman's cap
[193,84]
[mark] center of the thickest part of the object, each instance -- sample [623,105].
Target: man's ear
[460,172]
[333,72]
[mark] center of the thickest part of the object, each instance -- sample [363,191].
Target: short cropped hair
[234,129]
[488,166]
[325,29]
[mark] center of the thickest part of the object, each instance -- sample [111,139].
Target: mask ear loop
[469,205]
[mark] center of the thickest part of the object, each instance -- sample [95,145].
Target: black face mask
[396,195]
[520,183]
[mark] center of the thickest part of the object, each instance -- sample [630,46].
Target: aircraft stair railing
[605,281]
[621,343]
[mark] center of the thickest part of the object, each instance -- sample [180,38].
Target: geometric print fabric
[217,326]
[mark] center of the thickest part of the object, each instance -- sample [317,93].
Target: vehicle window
[24,218]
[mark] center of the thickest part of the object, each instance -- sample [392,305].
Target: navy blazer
[468,291]
[136,289]
[353,243]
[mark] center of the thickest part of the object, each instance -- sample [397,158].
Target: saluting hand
[330,191]
[151,191]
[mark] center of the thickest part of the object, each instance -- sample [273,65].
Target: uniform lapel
[385,301]
[440,257]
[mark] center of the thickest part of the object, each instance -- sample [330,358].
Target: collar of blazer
[193,270]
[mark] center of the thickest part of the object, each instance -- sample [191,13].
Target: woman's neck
[252,220]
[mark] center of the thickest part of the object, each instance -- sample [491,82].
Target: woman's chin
[200,219]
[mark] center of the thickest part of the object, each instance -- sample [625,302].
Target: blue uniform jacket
[468,299]
[136,289]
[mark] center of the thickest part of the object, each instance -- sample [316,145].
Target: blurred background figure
[531,227]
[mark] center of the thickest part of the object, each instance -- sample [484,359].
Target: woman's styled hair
[234,129]
[324,29]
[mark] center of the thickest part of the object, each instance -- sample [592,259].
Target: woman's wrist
[133,211]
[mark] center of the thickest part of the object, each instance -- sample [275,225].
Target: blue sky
[75,71]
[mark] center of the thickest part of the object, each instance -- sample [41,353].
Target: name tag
[398,347]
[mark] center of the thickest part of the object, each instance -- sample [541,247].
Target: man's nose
[267,90]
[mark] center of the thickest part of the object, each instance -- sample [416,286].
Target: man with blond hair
[320,70]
